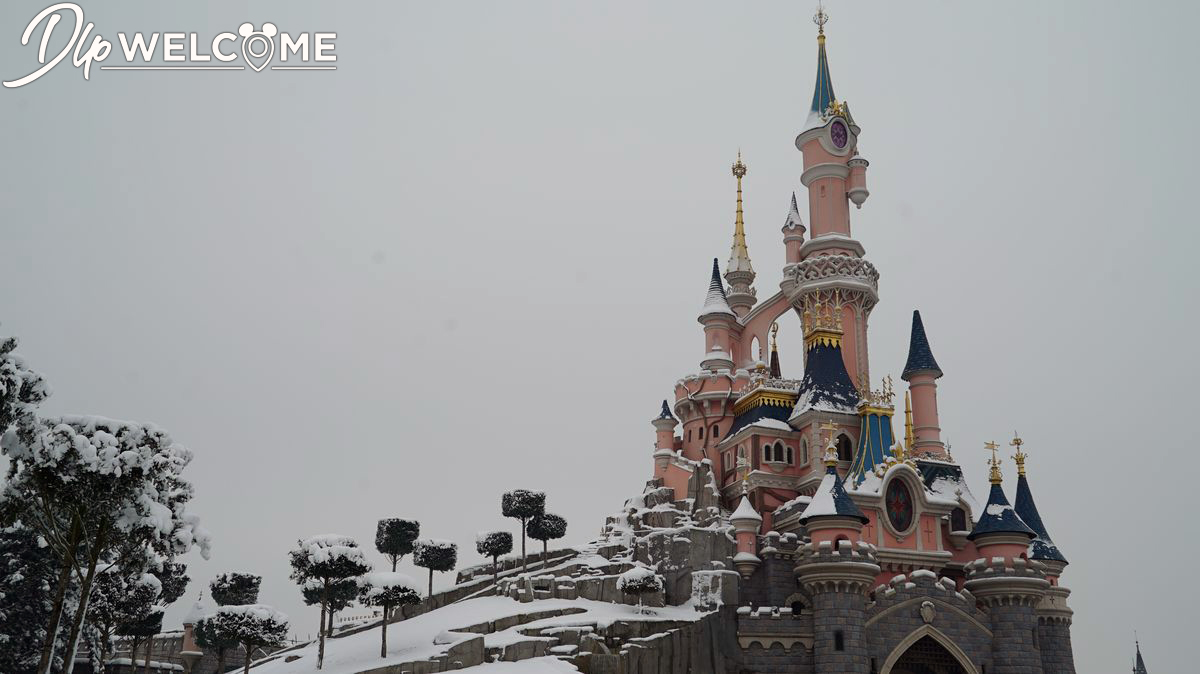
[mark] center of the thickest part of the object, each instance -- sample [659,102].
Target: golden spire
[909,440]
[739,255]
[1019,457]
[994,475]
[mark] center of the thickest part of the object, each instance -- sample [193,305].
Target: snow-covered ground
[432,634]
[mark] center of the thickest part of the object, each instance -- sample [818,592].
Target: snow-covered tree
[342,594]
[141,630]
[640,580]
[523,504]
[234,588]
[117,603]
[328,558]
[493,544]
[28,570]
[435,555]
[95,489]
[213,635]
[251,625]
[394,538]
[21,391]
[173,578]
[387,590]
[546,527]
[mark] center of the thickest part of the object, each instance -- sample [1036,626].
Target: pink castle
[814,458]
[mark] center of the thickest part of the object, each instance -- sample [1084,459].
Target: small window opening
[797,607]
[716,431]
[958,520]
[844,452]
[701,432]
[839,641]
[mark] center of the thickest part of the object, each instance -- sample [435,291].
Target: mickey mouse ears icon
[258,47]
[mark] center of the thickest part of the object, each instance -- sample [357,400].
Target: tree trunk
[220,661]
[321,629]
[431,588]
[246,668]
[64,579]
[329,626]
[394,560]
[149,652]
[545,553]
[383,643]
[85,592]
[137,641]
[524,563]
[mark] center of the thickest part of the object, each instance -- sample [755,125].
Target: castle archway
[927,651]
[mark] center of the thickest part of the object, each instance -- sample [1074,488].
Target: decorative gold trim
[763,397]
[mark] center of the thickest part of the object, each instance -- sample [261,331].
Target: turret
[832,515]
[1139,667]
[664,445]
[793,233]
[746,522]
[922,372]
[826,386]
[739,272]
[718,320]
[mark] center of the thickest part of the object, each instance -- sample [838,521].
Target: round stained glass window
[899,504]
[837,132]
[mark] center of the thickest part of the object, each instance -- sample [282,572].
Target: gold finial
[739,169]
[1019,457]
[909,439]
[774,337]
[831,457]
[821,18]
[743,467]
[946,439]
[822,320]
[994,475]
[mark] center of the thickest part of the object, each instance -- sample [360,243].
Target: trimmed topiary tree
[139,630]
[328,559]
[116,604]
[213,635]
[235,589]
[523,504]
[386,589]
[394,538]
[435,555]
[342,594]
[639,581]
[493,544]
[252,626]
[546,527]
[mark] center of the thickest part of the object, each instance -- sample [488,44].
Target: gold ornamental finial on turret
[1019,457]
[994,475]
[831,457]
[822,320]
[739,224]
[821,18]
[774,336]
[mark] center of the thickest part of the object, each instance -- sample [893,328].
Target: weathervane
[994,477]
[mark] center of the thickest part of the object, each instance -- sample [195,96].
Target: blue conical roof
[999,517]
[920,356]
[1042,546]
[1139,667]
[823,91]
[666,412]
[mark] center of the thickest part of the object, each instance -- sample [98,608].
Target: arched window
[844,451]
[716,431]
[766,453]
[689,439]
[804,451]
[791,455]
[958,520]
[797,607]
[701,432]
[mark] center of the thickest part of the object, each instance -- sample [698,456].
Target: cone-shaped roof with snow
[715,302]
[1042,547]
[1139,667]
[793,217]
[745,511]
[831,500]
[920,357]
[666,412]
[826,385]
[999,517]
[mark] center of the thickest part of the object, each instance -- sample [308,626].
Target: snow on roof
[715,302]
[198,611]
[831,499]
[745,511]
[774,424]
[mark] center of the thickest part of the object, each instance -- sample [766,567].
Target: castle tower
[664,444]
[746,522]
[1053,614]
[1139,667]
[837,570]
[719,322]
[875,433]
[1005,582]
[834,174]
[922,372]
[739,272]
[793,236]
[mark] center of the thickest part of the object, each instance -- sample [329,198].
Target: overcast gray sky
[470,259]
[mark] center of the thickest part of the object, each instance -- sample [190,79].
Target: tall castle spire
[739,272]
[823,92]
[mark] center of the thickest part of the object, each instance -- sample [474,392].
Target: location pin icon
[258,48]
